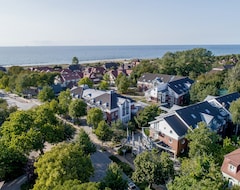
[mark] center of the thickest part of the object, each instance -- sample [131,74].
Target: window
[232,168]
[170,140]
[183,141]
[171,131]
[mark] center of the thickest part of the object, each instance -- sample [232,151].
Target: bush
[124,166]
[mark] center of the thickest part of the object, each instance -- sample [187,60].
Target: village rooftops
[149,77]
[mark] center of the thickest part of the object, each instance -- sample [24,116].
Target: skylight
[193,116]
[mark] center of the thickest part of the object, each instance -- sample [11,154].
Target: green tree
[77,185]
[46,94]
[122,84]
[104,85]
[64,162]
[106,78]
[75,60]
[87,81]
[235,112]
[150,168]
[29,130]
[199,172]
[77,108]
[4,82]
[94,116]
[103,131]
[12,162]
[233,78]
[114,178]
[18,132]
[15,70]
[64,99]
[203,140]
[146,115]
[85,143]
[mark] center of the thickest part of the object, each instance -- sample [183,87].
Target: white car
[131,186]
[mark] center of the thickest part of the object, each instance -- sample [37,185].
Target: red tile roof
[232,158]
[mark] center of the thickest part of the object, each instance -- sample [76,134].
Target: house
[114,106]
[75,67]
[146,81]
[231,167]
[169,90]
[67,77]
[113,74]
[169,130]
[94,73]
[111,65]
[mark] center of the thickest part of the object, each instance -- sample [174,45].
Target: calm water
[44,55]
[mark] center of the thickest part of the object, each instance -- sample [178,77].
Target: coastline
[65,64]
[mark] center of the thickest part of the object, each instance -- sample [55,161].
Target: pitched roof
[77,91]
[232,158]
[149,77]
[177,125]
[181,86]
[226,100]
[111,65]
[196,113]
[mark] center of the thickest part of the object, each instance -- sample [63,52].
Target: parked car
[131,186]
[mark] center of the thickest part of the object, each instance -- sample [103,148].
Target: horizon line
[120,45]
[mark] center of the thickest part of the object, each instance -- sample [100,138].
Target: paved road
[100,163]
[15,184]
[21,103]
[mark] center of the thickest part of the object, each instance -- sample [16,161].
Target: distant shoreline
[60,55]
[65,64]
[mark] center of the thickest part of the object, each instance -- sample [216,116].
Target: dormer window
[232,168]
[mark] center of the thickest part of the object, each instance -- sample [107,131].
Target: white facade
[231,181]
[163,127]
[124,110]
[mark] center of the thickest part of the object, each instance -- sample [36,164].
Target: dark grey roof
[192,115]
[111,65]
[108,99]
[75,67]
[179,86]
[226,100]
[149,77]
[77,91]
[57,88]
[177,125]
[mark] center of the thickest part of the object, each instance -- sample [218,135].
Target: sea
[57,55]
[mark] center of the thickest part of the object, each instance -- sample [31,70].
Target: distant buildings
[165,89]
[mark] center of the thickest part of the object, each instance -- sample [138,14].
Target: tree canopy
[64,162]
[77,108]
[146,115]
[87,81]
[103,131]
[151,168]
[29,130]
[85,143]
[46,94]
[114,178]
[94,116]
[12,162]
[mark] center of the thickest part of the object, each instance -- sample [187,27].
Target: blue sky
[119,22]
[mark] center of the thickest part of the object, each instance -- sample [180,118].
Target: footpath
[100,145]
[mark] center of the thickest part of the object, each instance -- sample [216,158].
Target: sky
[119,22]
